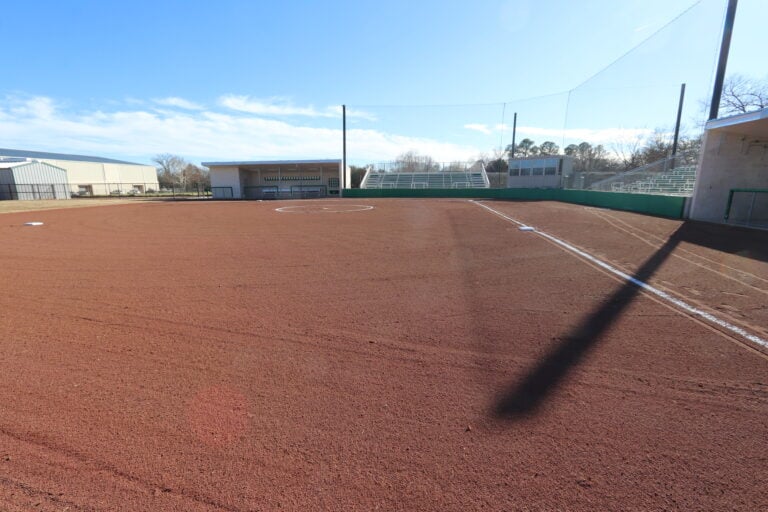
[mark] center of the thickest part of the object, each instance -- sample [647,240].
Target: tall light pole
[725,47]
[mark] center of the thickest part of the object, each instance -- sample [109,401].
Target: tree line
[174,171]
[741,94]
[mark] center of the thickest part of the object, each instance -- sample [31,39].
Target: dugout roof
[253,164]
[753,124]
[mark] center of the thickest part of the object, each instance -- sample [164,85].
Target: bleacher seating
[677,181]
[415,180]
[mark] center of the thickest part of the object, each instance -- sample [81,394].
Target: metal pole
[677,123]
[344,148]
[514,132]
[725,46]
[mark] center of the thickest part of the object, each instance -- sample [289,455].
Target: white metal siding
[34,180]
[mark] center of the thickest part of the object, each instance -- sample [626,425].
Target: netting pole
[725,46]
[677,123]
[514,133]
[343,150]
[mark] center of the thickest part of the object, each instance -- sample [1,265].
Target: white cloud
[174,101]
[272,107]
[138,134]
[479,128]
[281,107]
[38,107]
[593,136]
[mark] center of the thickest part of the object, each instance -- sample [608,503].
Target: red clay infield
[420,355]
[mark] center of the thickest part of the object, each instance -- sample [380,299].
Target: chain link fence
[30,191]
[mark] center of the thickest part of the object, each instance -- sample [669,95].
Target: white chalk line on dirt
[327,208]
[645,286]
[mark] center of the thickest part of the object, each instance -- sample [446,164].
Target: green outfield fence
[662,206]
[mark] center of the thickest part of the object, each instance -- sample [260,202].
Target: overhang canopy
[751,124]
[253,165]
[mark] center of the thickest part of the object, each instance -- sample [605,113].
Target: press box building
[539,171]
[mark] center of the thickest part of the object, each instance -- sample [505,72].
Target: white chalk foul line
[645,286]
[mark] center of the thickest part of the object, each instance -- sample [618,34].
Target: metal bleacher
[673,176]
[676,182]
[438,177]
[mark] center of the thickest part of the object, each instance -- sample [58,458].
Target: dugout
[24,179]
[277,179]
[732,175]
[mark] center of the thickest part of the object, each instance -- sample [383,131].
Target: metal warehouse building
[91,175]
[24,179]
[280,179]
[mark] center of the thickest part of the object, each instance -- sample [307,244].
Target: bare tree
[413,162]
[194,175]
[743,94]
[629,153]
[169,167]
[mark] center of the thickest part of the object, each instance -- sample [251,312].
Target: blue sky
[232,80]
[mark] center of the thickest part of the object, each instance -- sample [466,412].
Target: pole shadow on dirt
[525,396]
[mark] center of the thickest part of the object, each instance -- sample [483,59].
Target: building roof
[273,162]
[60,156]
[12,163]
[753,123]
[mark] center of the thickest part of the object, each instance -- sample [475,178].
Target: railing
[137,189]
[32,191]
[28,191]
[674,174]
[417,175]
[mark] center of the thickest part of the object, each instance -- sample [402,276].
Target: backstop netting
[619,119]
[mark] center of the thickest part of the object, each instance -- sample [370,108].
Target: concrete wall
[227,176]
[534,181]
[728,160]
[663,206]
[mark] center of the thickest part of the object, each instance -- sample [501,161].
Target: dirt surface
[28,206]
[419,355]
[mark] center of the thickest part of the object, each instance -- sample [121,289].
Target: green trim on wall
[662,206]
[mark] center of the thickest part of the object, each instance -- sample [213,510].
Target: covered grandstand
[277,179]
[426,175]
